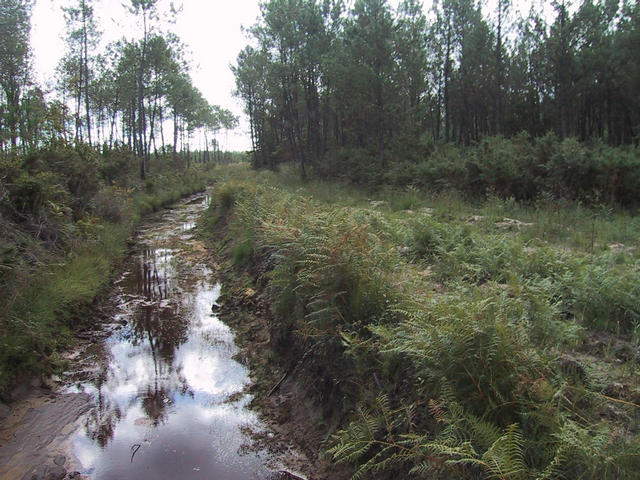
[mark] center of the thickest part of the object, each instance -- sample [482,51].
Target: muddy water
[169,397]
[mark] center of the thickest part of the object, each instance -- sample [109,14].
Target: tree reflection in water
[157,328]
[101,422]
[171,385]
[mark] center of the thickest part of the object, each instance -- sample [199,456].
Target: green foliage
[62,231]
[527,169]
[445,344]
[242,252]
[356,165]
[77,167]
[110,203]
[408,200]
[226,196]
[605,295]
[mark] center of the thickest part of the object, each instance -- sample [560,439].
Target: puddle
[169,401]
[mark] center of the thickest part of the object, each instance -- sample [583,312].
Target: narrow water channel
[169,394]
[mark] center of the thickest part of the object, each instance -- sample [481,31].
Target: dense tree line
[379,83]
[136,94]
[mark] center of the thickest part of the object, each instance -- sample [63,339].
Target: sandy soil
[35,435]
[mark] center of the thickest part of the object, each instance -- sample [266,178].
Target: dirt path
[156,378]
[35,435]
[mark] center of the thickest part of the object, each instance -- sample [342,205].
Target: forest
[123,96]
[80,165]
[377,95]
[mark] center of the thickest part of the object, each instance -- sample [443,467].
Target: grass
[452,339]
[47,301]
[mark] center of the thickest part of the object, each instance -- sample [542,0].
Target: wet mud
[155,390]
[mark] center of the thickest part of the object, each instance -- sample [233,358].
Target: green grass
[46,301]
[451,341]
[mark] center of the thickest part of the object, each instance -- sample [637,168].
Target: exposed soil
[35,435]
[38,428]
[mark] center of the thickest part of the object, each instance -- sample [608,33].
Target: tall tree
[15,28]
[502,8]
[412,63]
[369,36]
[77,68]
[561,55]
[147,11]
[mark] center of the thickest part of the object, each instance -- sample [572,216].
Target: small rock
[55,472]
[571,366]
[475,218]
[427,272]
[60,460]
[620,248]
[625,352]
[616,390]
[49,472]
[75,474]
[286,474]
[511,223]
[4,411]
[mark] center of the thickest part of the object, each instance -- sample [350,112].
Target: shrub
[605,296]
[444,169]
[76,167]
[110,203]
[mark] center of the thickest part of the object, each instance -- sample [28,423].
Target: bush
[462,369]
[77,167]
[521,167]
[357,165]
[605,296]
[110,203]
[117,166]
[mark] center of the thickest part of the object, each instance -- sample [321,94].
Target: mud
[36,435]
[155,389]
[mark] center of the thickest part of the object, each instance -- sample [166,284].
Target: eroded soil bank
[155,390]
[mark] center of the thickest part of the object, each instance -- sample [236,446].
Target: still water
[169,394]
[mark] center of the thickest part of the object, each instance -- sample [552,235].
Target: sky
[211,29]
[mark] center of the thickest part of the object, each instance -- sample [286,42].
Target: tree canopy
[322,78]
[128,93]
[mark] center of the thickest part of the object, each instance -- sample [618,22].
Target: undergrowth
[449,342]
[65,217]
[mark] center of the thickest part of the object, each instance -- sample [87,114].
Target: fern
[472,388]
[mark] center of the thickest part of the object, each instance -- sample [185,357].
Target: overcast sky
[212,30]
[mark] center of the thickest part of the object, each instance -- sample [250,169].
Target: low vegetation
[448,338]
[65,216]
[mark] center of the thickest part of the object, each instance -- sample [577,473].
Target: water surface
[169,399]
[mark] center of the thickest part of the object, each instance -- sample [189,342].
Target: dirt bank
[278,393]
[36,432]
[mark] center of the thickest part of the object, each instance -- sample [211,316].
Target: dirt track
[35,435]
